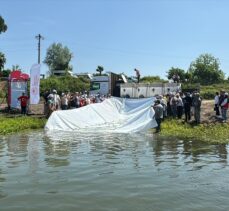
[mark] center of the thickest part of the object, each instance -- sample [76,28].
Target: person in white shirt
[64,101]
[56,99]
[179,106]
[88,101]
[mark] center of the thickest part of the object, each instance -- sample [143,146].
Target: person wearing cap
[56,99]
[187,107]
[158,109]
[164,104]
[224,107]
[51,106]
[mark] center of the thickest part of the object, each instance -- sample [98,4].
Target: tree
[100,69]
[2,61]
[15,67]
[58,57]
[64,84]
[175,71]
[3,26]
[206,70]
[5,73]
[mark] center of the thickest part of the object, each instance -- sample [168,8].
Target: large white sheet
[117,115]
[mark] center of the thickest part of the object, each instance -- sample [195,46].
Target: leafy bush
[208,92]
[209,95]
[64,83]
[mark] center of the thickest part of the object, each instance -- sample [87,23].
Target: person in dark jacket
[216,100]
[187,106]
[221,99]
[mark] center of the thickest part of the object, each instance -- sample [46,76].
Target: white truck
[107,84]
[117,85]
[142,90]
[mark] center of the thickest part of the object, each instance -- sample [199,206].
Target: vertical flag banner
[35,84]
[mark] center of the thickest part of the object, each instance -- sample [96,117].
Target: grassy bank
[212,133]
[20,123]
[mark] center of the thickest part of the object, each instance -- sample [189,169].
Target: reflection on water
[67,171]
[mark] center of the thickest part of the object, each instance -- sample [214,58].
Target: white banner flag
[35,84]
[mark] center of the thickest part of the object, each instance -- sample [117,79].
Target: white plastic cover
[117,115]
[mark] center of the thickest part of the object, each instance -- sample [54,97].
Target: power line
[39,38]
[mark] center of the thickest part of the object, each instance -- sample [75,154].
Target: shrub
[64,83]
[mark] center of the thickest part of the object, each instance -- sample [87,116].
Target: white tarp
[117,115]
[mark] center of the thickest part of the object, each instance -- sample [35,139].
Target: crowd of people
[170,105]
[177,105]
[54,101]
[188,104]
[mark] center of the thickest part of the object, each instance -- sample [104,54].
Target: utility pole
[39,38]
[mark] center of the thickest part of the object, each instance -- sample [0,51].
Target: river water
[111,172]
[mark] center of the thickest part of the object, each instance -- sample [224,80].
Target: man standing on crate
[138,75]
[24,100]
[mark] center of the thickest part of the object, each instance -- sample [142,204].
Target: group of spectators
[221,104]
[54,101]
[175,105]
[188,104]
[170,105]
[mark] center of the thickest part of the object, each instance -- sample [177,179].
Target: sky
[120,35]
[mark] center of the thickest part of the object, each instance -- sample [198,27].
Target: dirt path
[207,111]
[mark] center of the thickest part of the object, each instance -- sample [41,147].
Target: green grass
[212,133]
[20,123]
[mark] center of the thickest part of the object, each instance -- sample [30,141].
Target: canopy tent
[117,115]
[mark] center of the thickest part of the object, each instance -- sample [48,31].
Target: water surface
[111,172]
